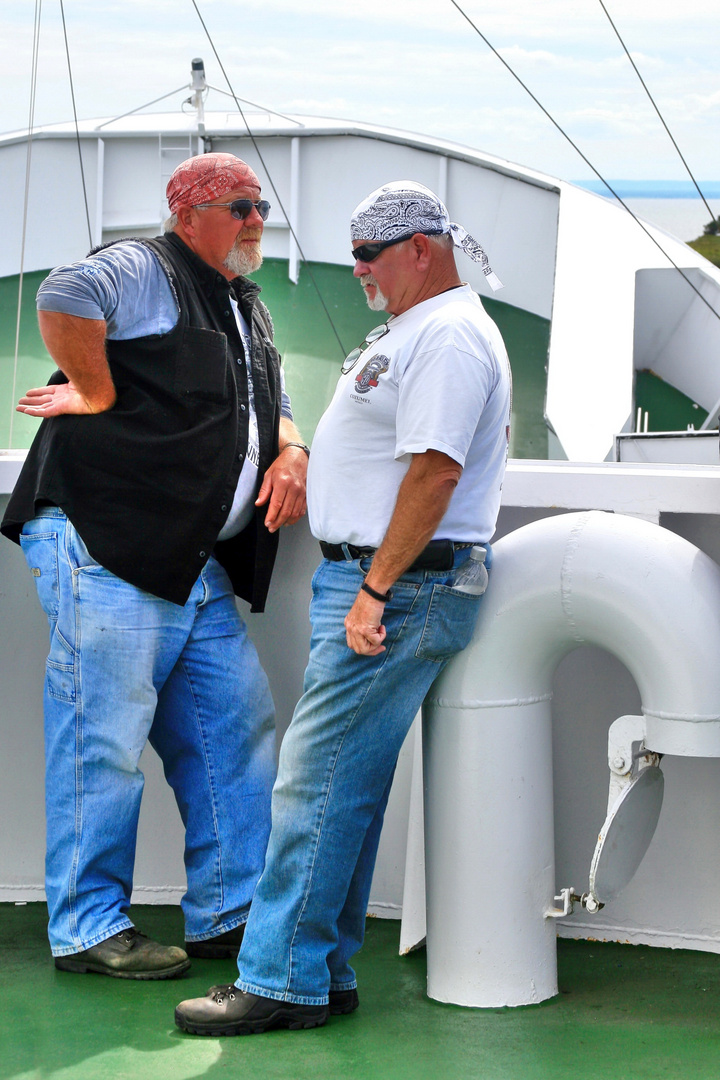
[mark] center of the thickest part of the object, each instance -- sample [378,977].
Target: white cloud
[417,66]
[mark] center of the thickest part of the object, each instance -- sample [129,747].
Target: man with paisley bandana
[405,478]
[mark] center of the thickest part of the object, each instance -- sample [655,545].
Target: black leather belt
[438,555]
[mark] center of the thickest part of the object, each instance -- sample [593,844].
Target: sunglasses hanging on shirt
[352,357]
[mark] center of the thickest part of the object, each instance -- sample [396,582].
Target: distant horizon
[653,189]
[417,67]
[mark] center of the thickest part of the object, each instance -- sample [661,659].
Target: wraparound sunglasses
[368,252]
[239,208]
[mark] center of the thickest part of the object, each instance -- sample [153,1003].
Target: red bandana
[207,177]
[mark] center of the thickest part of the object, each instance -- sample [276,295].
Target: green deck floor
[624,1013]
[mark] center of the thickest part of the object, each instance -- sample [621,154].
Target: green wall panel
[34,366]
[668,409]
[312,349]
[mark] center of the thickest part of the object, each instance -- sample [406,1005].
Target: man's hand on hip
[78,348]
[60,399]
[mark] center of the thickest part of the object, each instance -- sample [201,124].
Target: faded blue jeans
[336,765]
[126,667]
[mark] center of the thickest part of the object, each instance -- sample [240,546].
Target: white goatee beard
[243,260]
[380,301]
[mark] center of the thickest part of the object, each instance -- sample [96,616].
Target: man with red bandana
[165,464]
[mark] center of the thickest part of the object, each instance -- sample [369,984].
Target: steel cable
[590,165]
[28,159]
[77,130]
[660,117]
[272,185]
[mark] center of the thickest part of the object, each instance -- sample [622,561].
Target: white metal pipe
[442,178]
[99,193]
[293,249]
[490,855]
[639,591]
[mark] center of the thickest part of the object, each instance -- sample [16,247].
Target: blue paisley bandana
[405,207]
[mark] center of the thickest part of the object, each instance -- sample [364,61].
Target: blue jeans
[336,766]
[126,667]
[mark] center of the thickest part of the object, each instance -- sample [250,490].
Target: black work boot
[127,955]
[221,947]
[225,1010]
[343,1001]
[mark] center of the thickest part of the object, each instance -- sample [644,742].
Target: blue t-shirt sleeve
[285,405]
[125,285]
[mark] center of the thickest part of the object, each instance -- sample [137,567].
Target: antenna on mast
[198,85]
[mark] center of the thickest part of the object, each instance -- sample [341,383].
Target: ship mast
[198,85]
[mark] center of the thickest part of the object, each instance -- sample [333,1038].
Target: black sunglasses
[352,357]
[240,208]
[368,252]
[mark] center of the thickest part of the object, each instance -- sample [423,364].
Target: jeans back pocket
[449,623]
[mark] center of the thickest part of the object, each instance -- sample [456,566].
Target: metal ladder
[172,149]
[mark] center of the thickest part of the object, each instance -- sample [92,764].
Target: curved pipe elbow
[635,589]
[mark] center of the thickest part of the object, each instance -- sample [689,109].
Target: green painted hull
[312,354]
[310,348]
[33,367]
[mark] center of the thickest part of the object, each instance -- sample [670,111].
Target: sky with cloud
[412,64]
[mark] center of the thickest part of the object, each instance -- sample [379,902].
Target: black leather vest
[149,484]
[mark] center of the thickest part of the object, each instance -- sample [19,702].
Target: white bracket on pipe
[567,899]
[627,754]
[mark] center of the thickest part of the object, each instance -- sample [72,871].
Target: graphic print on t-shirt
[368,377]
[253,450]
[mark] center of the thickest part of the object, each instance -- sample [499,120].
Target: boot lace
[220,993]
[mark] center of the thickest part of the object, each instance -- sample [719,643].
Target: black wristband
[382,597]
[300,446]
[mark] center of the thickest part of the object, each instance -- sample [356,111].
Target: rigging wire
[145,106]
[77,129]
[590,165]
[272,185]
[660,117]
[261,108]
[28,159]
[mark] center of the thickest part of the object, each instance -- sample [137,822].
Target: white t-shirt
[438,380]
